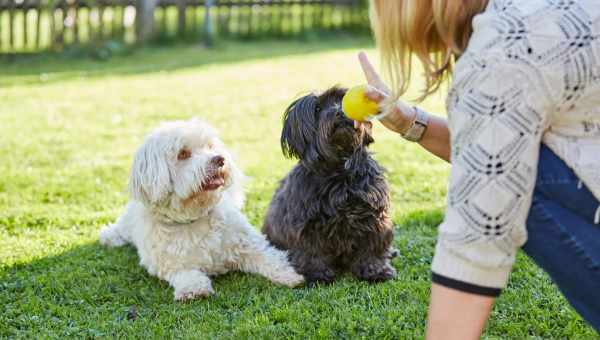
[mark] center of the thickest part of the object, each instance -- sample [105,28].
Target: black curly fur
[331,211]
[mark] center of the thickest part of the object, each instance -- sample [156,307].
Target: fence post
[11,25]
[145,20]
[38,23]
[208,25]
[25,26]
[181,7]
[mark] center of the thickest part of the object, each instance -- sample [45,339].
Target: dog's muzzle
[216,176]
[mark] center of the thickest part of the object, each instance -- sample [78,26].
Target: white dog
[184,214]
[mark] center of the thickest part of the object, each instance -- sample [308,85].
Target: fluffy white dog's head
[183,170]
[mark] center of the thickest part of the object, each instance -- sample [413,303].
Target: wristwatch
[417,129]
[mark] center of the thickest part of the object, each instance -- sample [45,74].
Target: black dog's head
[316,130]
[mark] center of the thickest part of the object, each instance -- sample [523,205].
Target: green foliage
[69,129]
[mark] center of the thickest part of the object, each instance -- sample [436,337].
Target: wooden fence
[38,25]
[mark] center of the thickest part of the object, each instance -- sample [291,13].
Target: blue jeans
[563,238]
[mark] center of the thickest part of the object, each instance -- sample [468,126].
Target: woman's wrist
[400,118]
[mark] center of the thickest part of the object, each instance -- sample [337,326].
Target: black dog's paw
[326,276]
[374,273]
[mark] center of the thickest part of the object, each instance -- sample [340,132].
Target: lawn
[68,132]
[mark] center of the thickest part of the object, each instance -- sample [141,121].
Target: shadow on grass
[89,273]
[94,262]
[92,291]
[52,68]
[94,275]
[95,291]
[86,289]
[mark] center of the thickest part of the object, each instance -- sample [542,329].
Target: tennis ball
[357,106]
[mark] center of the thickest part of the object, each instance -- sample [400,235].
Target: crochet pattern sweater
[530,75]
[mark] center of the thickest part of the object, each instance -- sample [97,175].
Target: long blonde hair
[434,31]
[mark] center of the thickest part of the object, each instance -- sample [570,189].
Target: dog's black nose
[218,161]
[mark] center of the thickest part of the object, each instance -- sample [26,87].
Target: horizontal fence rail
[37,25]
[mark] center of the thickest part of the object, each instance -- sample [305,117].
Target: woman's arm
[437,137]
[456,315]
[453,314]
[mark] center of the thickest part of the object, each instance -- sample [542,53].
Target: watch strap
[417,129]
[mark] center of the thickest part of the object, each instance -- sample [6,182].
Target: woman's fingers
[370,74]
[374,94]
[363,125]
[368,70]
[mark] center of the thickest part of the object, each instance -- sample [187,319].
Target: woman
[525,100]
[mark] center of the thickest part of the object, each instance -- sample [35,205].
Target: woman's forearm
[456,315]
[437,138]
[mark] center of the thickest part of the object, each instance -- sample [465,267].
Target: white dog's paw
[182,295]
[110,237]
[191,284]
[290,278]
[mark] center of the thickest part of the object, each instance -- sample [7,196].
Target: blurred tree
[208,24]
[145,20]
[181,20]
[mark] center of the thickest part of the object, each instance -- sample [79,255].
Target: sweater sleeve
[497,112]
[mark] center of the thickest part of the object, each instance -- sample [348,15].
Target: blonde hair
[435,31]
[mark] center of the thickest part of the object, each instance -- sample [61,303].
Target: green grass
[69,128]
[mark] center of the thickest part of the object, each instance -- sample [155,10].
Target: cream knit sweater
[530,75]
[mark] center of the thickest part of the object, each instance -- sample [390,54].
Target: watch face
[419,126]
[415,133]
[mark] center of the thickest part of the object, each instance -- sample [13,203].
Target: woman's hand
[401,115]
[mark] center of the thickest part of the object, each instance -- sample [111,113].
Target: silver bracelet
[417,129]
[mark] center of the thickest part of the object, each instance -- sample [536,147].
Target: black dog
[331,211]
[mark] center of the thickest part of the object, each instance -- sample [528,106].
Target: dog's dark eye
[318,109]
[184,154]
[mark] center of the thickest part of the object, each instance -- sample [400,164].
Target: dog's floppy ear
[150,180]
[299,126]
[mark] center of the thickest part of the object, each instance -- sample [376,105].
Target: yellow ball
[357,106]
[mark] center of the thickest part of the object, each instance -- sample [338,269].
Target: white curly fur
[183,233]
